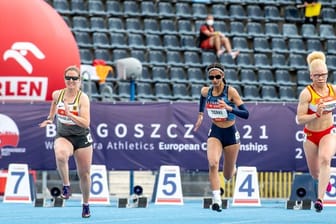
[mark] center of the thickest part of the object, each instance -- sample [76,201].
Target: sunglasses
[322,75]
[212,77]
[74,78]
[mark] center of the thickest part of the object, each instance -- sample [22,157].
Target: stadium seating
[279,45]
[271,37]
[113,8]
[266,77]
[178,75]
[261,44]
[272,14]
[269,93]
[287,93]
[62,7]
[96,8]
[144,90]
[251,93]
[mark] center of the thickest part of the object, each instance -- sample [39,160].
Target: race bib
[331,105]
[329,102]
[216,113]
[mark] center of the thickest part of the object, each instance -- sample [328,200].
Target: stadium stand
[270,34]
[269,93]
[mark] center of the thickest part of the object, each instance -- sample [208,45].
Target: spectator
[209,39]
[312,11]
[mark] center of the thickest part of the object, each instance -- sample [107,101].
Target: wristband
[202,102]
[317,115]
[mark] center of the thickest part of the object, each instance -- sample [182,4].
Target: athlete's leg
[83,158]
[63,150]
[230,160]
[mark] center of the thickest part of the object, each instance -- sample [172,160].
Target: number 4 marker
[247,187]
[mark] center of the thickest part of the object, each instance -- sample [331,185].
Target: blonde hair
[316,59]
[72,68]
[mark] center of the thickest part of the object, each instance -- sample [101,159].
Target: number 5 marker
[169,189]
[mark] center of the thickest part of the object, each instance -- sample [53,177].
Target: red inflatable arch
[36,46]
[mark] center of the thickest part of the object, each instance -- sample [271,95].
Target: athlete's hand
[320,107]
[45,123]
[66,108]
[223,105]
[198,122]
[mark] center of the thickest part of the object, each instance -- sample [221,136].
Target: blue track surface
[189,213]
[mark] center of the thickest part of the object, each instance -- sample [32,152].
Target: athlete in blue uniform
[223,104]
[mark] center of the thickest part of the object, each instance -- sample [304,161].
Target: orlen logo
[35,49]
[9,132]
[18,52]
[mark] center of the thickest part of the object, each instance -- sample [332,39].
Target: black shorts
[227,136]
[79,141]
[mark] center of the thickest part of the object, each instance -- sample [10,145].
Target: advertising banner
[144,136]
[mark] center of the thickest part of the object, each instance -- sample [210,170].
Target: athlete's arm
[302,117]
[204,93]
[241,110]
[50,118]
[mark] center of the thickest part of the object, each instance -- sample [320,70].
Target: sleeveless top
[315,99]
[65,126]
[214,111]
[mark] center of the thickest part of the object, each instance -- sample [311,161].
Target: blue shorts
[227,136]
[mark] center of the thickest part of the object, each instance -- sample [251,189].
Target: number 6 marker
[99,193]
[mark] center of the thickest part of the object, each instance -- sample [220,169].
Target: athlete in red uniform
[314,110]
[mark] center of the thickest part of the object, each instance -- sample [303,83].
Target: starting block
[135,201]
[303,192]
[299,205]
[207,202]
[50,202]
[53,202]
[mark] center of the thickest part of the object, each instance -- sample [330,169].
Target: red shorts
[315,136]
[206,44]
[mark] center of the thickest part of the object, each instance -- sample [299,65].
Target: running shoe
[217,205]
[66,192]
[86,211]
[329,187]
[318,205]
[234,54]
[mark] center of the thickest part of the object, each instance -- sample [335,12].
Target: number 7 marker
[18,187]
